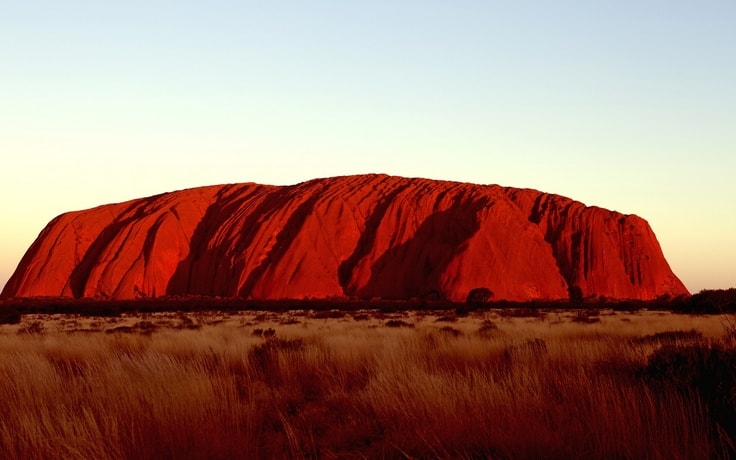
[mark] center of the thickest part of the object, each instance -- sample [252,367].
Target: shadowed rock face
[357,236]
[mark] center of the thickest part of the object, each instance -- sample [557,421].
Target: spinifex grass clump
[704,371]
[346,388]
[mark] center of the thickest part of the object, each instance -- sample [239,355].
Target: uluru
[364,236]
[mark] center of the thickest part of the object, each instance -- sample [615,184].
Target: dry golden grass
[340,385]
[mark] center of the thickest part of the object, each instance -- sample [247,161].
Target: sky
[627,105]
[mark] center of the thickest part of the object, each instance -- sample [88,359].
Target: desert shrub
[478,297]
[446,319]
[708,371]
[185,322]
[35,328]
[398,323]
[712,301]
[260,317]
[432,296]
[10,316]
[145,327]
[289,320]
[122,329]
[669,337]
[586,316]
[462,311]
[329,314]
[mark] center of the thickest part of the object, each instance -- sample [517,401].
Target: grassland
[368,384]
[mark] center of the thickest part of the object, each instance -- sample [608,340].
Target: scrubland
[366,384]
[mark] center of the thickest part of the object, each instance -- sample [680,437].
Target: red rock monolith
[367,236]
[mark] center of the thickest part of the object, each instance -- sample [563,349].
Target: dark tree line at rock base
[704,302]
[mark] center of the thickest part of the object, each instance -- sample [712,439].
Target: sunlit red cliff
[368,236]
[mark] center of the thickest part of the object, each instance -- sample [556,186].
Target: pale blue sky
[628,105]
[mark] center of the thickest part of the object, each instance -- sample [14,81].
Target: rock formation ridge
[363,236]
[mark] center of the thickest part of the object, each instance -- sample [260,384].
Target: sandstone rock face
[358,236]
